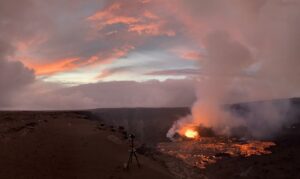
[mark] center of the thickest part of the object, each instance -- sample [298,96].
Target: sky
[74,54]
[80,42]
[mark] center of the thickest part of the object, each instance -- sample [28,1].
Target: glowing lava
[189,133]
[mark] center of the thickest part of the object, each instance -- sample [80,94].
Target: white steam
[252,53]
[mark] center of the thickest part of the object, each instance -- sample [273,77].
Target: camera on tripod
[132,152]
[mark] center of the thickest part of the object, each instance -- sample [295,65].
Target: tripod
[132,152]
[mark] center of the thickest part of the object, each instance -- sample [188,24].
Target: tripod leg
[136,158]
[129,160]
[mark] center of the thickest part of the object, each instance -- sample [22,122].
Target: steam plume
[251,57]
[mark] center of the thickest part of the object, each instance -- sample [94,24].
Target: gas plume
[250,55]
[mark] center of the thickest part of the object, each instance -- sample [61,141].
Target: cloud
[151,29]
[225,38]
[55,67]
[191,55]
[150,15]
[108,17]
[188,53]
[91,32]
[143,22]
[68,64]
[52,45]
[175,72]
[170,93]
[111,71]
[14,77]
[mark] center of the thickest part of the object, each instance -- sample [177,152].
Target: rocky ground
[75,145]
[66,145]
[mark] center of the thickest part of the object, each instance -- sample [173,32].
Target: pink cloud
[187,54]
[191,55]
[154,29]
[54,67]
[150,15]
[143,22]
[68,64]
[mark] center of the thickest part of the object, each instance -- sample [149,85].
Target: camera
[131,136]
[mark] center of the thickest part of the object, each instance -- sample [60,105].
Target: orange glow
[105,13]
[55,67]
[191,56]
[187,54]
[146,23]
[190,133]
[68,64]
[109,17]
[150,15]
[204,152]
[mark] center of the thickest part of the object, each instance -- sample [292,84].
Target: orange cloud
[150,15]
[121,20]
[187,54]
[55,67]
[67,64]
[141,22]
[151,29]
[108,58]
[108,16]
[120,52]
[105,13]
[191,55]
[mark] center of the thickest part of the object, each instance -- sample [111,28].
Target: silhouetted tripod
[132,152]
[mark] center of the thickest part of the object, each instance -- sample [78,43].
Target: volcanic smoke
[253,56]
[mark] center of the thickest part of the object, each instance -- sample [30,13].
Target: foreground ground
[67,145]
[64,145]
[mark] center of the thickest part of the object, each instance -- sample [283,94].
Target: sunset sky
[115,53]
[79,42]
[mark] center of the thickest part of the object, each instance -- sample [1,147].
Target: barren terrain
[65,145]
